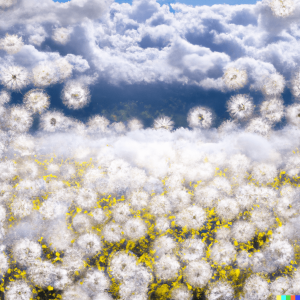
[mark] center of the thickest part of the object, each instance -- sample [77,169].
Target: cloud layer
[145,42]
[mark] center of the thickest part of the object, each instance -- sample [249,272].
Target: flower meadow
[99,210]
[114,211]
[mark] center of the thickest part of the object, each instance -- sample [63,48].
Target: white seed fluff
[135,228]
[45,74]
[26,251]
[15,77]
[200,117]
[89,243]
[163,122]
[240,106]
[259,126]
[167,268]
[52,121]
[220,290]
[242,231]
[273,84]
[256,288]
[223,252]
[198,273]
[18,290]
[293,114]
[19,119]
[234,78]
[192,249]
[36,100]
[272,110]
[75,95]
[12,44]
[192,217]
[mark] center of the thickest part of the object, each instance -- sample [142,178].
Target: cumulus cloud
[31,12]
[193,46]
[145,42]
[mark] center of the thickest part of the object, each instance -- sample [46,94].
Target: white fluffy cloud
[193,46]
[145,42]
[33,12]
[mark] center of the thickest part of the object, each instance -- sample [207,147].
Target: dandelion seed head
[75,293]
[198,273]
[122,265]
[75,95]
[18,290]
[223,252]
[112,232]
[98,124]
[163,122]
[273,84]
[25,145]
[192,249]
[242,231]
[89,243]
[200,117]
[73,259]
[181,292]
[235,78]
[81,223]
[293,114]
[240,106]
[4,97]
[15,77]
[164,245]
[36,100]
[272,110]
[45,74]
[220,290]
[135,124]
[193,217]
[26,252]
[135,229]
[256,288]
[12,44]
[259,126]
[167,268]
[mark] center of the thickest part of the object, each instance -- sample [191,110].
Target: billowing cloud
[145,42]
[24,12]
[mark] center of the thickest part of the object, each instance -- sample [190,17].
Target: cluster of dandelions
[44,74]
[97,228]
